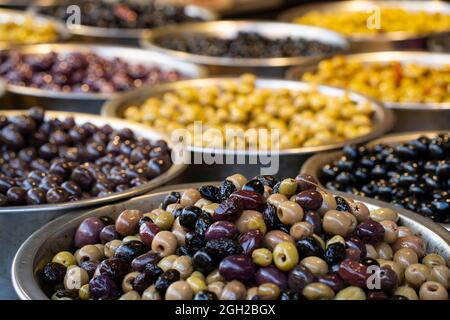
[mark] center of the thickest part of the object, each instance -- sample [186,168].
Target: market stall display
[236,240]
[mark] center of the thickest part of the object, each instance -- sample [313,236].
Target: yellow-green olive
[262,257]
[111,247]
[214,276]
[416,274]
[127,282]
[407,292]
[196,284]
[130,295]
[233,290]
[238,180]
[179,232]
[75,278]
[276,199]
[382,214]
[318,291]
[164,220]
[433,259]
[268,291]
[84,292]
[184,266]
[251,293]
[272,238]
[251,220]
[288,187]
[202,202]
[167,262]
[319,240]
[151,294]
[432,290]
[441,274]
[316,265]
[173,206]
[131,238]
[198,274]
[301,229]
[335,239]
[88,253]
[65,258]
[190,197]
[285,256]
[165,243]
[289,212]
[351,293]
[390,231]
[179,290]
[406,257]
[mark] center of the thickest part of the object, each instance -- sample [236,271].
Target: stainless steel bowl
[120,35]
[382,41]
[22,96]
[228,29]
[62,33]
[314,164]
[410,116]
[58,235]
[290,159]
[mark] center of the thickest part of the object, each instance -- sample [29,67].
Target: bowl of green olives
[239,239]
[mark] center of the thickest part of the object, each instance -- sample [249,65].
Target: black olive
[255,186]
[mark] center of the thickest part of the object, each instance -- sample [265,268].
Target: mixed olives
[124,14]
[414,175]
[245,45]
[52,160]
[79,72]
[236,241]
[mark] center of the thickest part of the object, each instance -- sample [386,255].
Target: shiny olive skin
[370,231]
[102,287]
[353,273]
[299,277]
[251,240]
[237,267]
[271,274]
[221,229]
[250,200]
[88,232]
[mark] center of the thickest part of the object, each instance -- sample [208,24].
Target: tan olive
[382,214]
[100,247]
[173,206]
[337,223]
[250,219]
[318,291]
[167,262]
[238,180]
[190,197]
[433,259]
[216,287]
[390,231]
[406,257]
[214,276]
[127,282]
[88,253]
[268,291]
[196,284]
[301,229]
[407,292]
[384,251]
[127,222]
[233,290]
[131,238]
[360,211]
[351,293]
[179,290]
[276,199]
[202,202]
[416,274]
[179,232]
[413,242]
[274,237]
[371,252]
[432,290]
[441,274]
[165,243]
[184,266]
[290,212]
[210,208]
[316,265]
[328,203]
[394,266]
[151,294]
[251,293]
[404,232]
[130,295]
[75,278]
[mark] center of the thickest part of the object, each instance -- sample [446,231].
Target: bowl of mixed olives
[408,170]
[239,239]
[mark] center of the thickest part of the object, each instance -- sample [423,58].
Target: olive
[370,231]
[88,232]
[36,196]
[299,277]
[251,240]
[271,274]
[229,209]
[205,295]
[309,246]
[334,253]
[203,261]
[103,288]
[166,279]
[53,273]
[173,197]
[114,268]
[221,229]
[57,195]
[333,281]
[16,196]
[254,186]
[309,199]
[237,267]
[226,189]
[267,180]
[223,247]
[250,200]
[130,250]
[189,217]
[353,272]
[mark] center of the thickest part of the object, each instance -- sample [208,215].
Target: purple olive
[114,268]
[309,199]
[237,267]
[250,200]
[313,218]
[221,229]
[88,232]
[376,295]
[251,240]
[139,263]
[370,231]
[356,243]
[388,280]
[353,273]
[147,231]
[103,288]
[229,209]
[273,275]
[90,267]
[299,277]
[109,233]
[333,281]
[306,182]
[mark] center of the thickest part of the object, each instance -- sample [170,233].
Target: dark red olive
[299,277]
[306,182]
[370,231]
[353,273]
[333,281]
[271,274]
[356,243]
[88,232]
[237,267]
[16,196]
[229,209]
[309,199]
[115,268]
[109,233]
[388,280]
[139,263]
[103,288]
[250,200]
[147,231]
[221,229]
[251,240]
[57,195]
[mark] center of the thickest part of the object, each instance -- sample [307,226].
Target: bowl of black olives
[408,170]
[239,239]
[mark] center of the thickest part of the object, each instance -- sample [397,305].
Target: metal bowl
[410,115]
[314,164]
[381,41]
[123,35]
[229,29]
[290,159]
[22,96]
[58,235]
[62,33]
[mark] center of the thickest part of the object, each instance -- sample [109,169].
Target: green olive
[285,256]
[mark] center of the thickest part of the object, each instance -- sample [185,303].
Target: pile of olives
[51,160]
[414,175]
[260,239]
